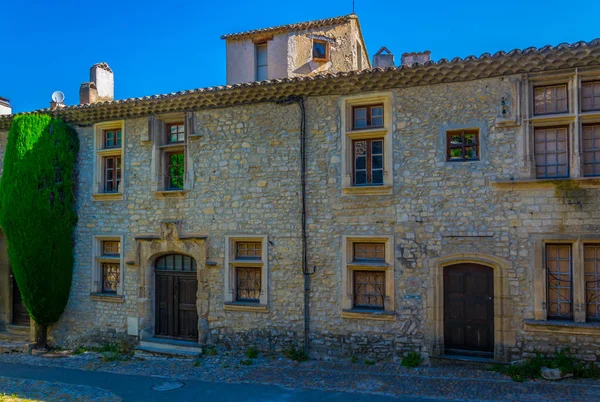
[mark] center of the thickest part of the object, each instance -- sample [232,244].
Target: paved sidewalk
[383,379]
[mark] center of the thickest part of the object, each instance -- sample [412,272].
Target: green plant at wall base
[246,362]
[411,360]
[370,362]
[251,352]
[37,213]
[295,354]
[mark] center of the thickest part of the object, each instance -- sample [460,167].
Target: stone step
[168,347]
[18,329]
[15,343]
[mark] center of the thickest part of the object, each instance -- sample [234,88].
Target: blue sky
[159,47]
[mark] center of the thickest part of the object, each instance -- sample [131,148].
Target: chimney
[101,86]
[383,58]
[410,59]
[5,107]
[88,93]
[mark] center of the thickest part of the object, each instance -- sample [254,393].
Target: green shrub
[370,362]
[251,352]
[212,351]
[353,359]
[412,360]
[295,354]
[37,213]
[246,362]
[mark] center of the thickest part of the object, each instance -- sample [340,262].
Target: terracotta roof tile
[292,27]
[530,60]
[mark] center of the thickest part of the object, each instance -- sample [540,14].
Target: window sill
[107,196]
[170,193]
[257,308]
[368,190]
[104,297]
[109,151]
[357,133]
[563,327]
[376,315]
[547,184]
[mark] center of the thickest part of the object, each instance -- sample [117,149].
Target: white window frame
[348,134]
[97,259]
[348,268]
[100,153]
[231,264]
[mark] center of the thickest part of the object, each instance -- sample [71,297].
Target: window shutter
[189,124]
[150,132]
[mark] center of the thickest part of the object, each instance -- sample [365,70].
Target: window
[462,146]
[559,281]
[107,276]
[551,152]
[590,96]
[367,157]
[320,50]
[262,69]
[170,154]
[567,277]
[108,164]
[591,149]
[246,273]
[368,162]
[370,116]
[550,99]
[591,263]
[367,277]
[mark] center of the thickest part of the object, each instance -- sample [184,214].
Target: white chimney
[103,77]
[5,107]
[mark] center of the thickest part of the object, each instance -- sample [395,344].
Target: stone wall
[247,181]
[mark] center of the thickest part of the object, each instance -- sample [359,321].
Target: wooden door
[20,314]
[469,310]
[176,313]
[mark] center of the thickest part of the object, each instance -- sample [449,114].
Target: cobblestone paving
[17,389]
[384,378]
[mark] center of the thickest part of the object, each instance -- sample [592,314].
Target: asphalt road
[140,388]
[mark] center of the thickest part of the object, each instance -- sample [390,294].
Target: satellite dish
[58,97]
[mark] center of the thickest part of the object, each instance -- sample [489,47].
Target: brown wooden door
[20,314]
[176,314]
[469,310]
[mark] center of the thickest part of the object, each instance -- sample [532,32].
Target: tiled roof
[530,60]
[292,27]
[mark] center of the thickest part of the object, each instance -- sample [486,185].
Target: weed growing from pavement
[354,359]
[370,362]
[563,360]
[110,351]
[196,363]
[246,362]
[251,352]
[212,352]
[225,365]
[295,354]
[412,360]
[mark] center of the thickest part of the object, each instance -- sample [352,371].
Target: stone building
[445,207]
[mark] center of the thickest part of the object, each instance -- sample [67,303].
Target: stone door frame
[149,248]
[504,336]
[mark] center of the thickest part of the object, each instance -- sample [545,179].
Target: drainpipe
[305,271]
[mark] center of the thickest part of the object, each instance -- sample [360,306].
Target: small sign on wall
[412,297]
[132,326]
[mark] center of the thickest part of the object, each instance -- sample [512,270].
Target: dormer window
[320,50]
[262,69]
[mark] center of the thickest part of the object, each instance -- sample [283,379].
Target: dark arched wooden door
[176,286]
[469,310]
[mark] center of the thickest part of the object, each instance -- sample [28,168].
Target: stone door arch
[149,249]
[504,336]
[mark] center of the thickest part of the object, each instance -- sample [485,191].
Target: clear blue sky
[166,46]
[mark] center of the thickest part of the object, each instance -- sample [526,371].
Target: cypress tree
[37,213]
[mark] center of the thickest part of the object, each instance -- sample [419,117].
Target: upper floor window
[175,132]
[551,149]
[108,163]
[559,276]
[262,70]
[591,149]
[550,99]
[590,96]
[462,145]
[368,116]
[112,138]
[320,50]
[367,156]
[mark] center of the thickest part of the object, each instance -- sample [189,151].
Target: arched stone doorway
[176,286]
[503,333]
